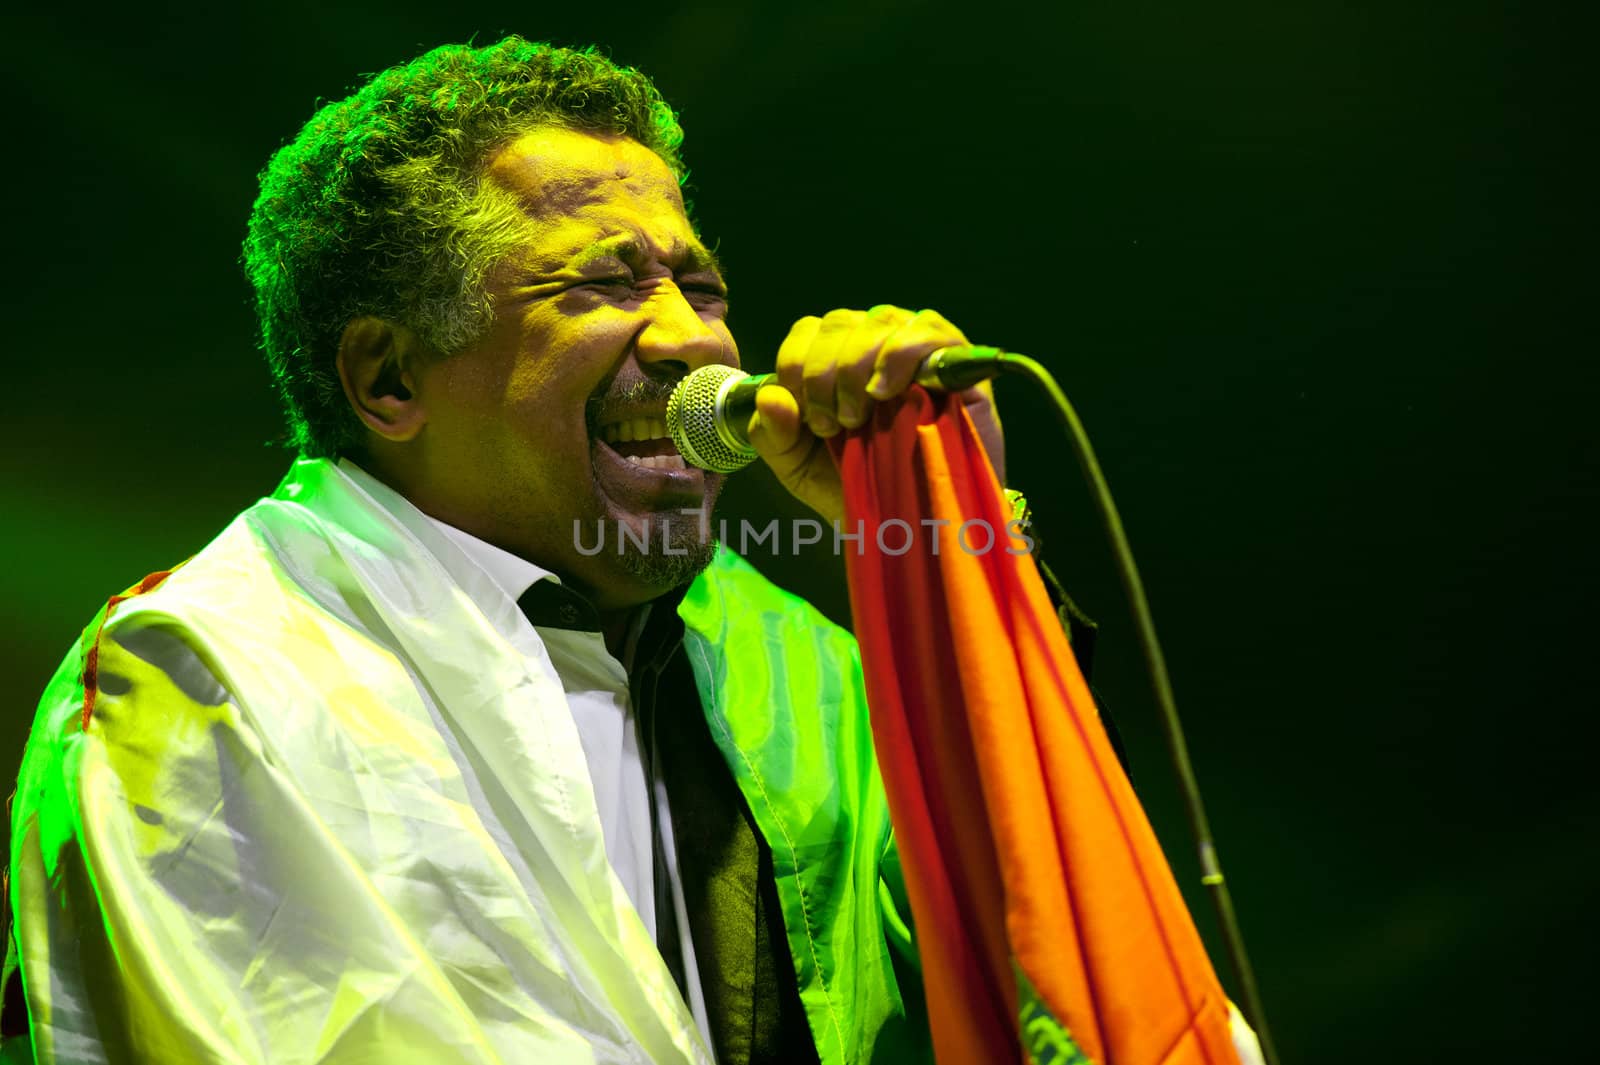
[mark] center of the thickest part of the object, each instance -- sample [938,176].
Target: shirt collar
[545,601]
[510,573]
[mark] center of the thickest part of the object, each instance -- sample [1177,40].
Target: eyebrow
[691,257]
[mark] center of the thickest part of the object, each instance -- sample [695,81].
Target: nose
[676,338]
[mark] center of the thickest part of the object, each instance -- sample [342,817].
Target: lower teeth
[658,462]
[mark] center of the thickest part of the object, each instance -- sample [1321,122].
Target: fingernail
[877,388]
[755,425]
[849,412]
[822,422]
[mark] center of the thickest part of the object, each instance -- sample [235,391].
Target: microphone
[709,411]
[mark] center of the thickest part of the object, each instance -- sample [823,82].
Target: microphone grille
[692,421]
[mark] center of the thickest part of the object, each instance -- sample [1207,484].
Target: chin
[662,572]
[649,553]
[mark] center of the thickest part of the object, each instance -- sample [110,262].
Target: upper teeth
[637,429]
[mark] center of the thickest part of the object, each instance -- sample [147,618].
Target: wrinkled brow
[684,257]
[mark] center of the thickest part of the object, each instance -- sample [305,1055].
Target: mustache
[645,392]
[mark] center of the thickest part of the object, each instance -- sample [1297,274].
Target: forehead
[579,188]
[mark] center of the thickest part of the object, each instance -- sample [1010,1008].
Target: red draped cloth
[1047,920]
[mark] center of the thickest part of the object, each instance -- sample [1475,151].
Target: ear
[375,366]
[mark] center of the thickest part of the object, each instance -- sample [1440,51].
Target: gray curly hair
[378,207]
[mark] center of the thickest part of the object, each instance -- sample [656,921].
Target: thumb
[797,457]
[775,430]
[781,438]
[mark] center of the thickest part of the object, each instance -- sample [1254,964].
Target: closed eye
[700,294]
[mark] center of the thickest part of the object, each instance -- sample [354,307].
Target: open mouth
[643,442]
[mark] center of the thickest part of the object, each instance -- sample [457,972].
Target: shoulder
[135,713]
[157,644]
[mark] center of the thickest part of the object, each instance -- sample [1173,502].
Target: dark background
[1310,272]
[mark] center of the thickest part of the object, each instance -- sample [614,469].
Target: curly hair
[379,207]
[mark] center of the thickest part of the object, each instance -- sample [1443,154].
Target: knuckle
[789,371]
[856,371]
[818,373]
[936,325]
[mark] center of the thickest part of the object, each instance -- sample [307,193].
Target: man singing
[391,770]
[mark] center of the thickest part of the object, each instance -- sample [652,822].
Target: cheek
[561,359]
[541,417]
[470,383]
[546,404]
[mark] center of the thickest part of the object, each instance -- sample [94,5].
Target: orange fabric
[1021,838]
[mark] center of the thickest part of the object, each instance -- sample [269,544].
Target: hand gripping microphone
[709,411]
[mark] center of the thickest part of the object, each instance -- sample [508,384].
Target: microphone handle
[945,370]
[739,403]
